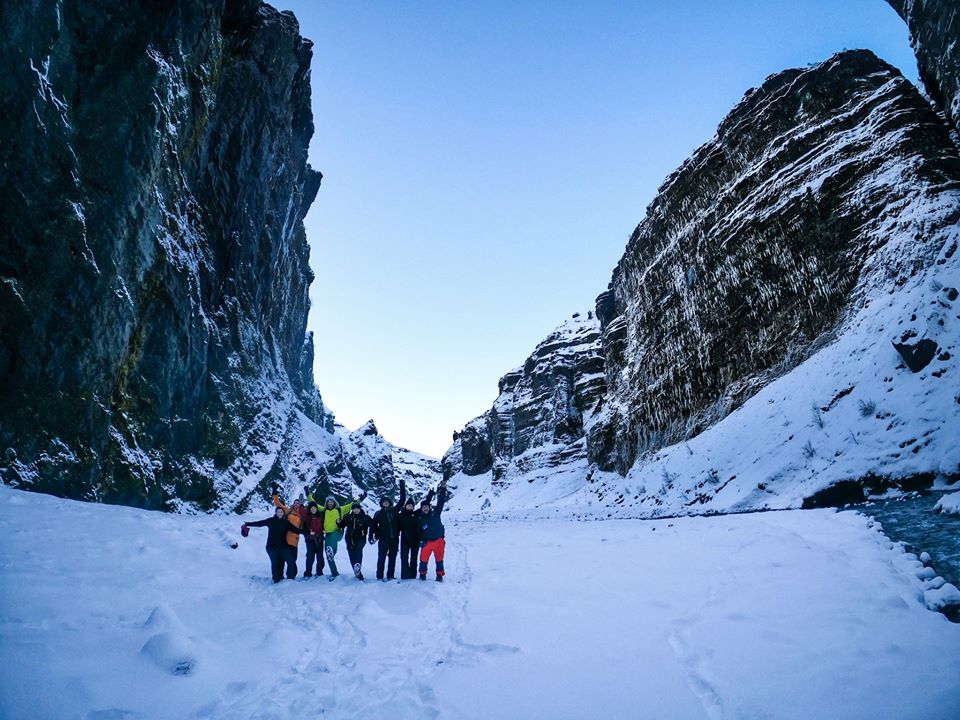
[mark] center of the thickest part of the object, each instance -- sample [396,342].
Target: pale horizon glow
[485,163]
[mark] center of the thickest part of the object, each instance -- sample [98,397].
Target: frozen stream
[911,519]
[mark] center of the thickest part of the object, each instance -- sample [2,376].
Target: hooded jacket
[277,531]
[331,518]
[313,525]
[355,527]
[295,517]
[386,521]
[431,526]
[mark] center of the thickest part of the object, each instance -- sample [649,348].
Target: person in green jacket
[332,533]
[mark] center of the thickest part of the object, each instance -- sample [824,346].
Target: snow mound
[172,652]
[949,504]
[943,597]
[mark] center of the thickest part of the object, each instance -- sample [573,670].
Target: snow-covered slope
[112,612]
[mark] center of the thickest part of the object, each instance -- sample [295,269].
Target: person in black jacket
[277,546]
[385,531]
[409,520]
[355,526]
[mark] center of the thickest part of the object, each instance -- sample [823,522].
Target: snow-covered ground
[112,612]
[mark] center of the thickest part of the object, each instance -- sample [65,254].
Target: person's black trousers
[276,563]
[356,554]
[387,549]
[409,554]
[314,550]
[289,554]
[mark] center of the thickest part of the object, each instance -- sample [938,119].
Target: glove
[306,491]
[363,496]
[244,530]
[274,489]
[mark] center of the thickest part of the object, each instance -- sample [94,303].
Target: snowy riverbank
[111,612]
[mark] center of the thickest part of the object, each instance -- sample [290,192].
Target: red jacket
[313,524]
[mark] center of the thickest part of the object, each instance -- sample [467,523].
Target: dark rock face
[153,263]
[753,248]
[935,37]
[918,355]
[540,416]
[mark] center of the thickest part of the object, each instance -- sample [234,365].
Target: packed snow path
[109,613]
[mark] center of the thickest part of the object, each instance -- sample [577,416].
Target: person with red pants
[432,540]
[313,528]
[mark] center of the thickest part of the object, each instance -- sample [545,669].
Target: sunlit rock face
[539,420]
[153,266]
[935,37]
[755,247]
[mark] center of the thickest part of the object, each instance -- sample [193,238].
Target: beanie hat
[330,498]
[410,502]
[312,504]
[424,502]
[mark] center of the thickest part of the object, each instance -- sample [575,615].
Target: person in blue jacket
[432,541]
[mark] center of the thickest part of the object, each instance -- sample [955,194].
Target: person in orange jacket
[296,515]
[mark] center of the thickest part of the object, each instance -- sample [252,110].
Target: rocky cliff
[782,261]
[537,426]
[755,246]
[153,264]
[935,37]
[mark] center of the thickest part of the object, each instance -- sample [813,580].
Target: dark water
[911,519]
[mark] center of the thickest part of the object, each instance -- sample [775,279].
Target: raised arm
[403,494]
[441,495]
[258,523]
[276,499]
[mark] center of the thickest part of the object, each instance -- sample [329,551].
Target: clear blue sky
[485,162]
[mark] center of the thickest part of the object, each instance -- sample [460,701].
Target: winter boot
[439,578]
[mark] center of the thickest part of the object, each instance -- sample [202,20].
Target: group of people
[416,534]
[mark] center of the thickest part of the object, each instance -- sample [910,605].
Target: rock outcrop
[153,263]
[935,37]
[757,244]
[538,422]
[750,326]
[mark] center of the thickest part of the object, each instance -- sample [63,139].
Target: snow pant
[330,542]
[356,555]
[409,549]
[386,549]
[314,551]
[289,554]
[276,563]
[435,548]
